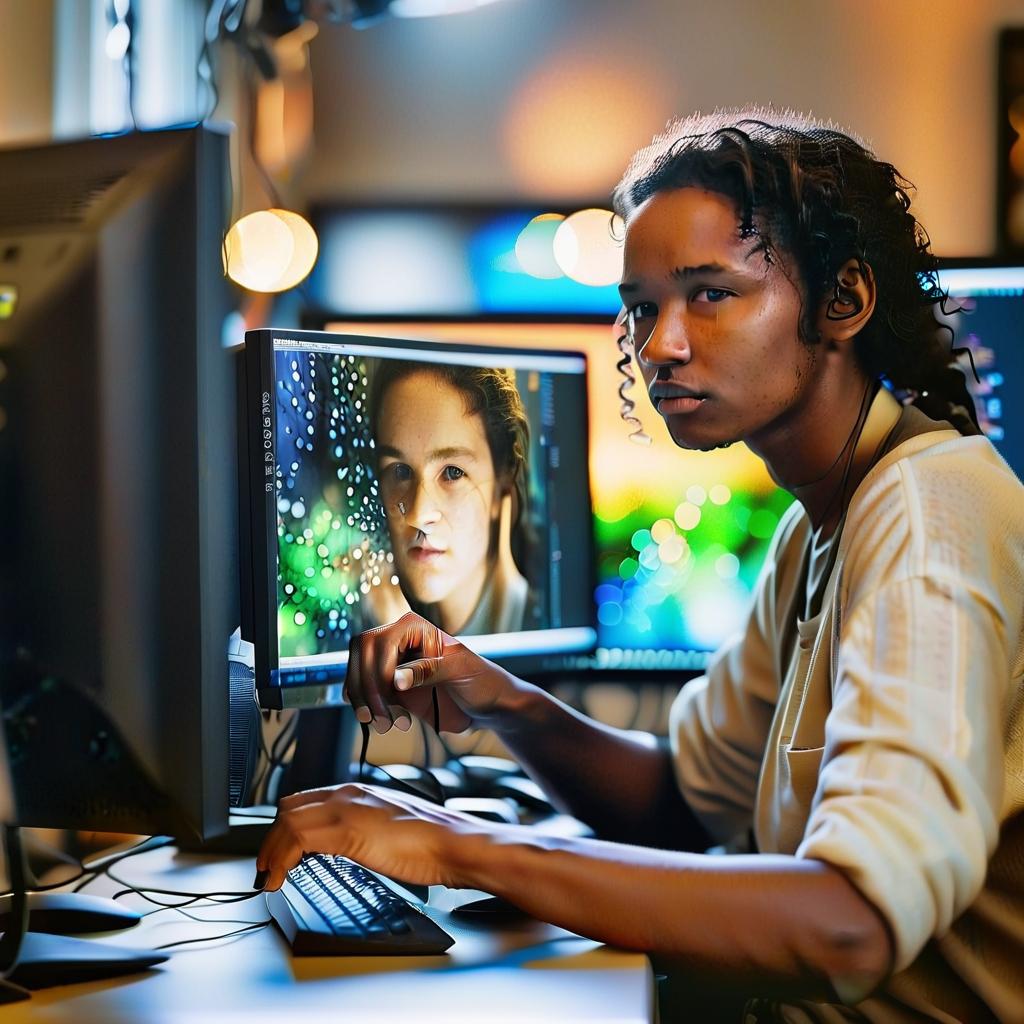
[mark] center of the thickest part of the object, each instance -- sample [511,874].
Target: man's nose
[668,342]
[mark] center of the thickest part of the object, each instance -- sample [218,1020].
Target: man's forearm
[779,926]
[620,782]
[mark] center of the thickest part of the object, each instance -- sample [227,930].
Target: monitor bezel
[322,687]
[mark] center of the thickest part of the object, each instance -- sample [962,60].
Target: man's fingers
[312,826]
[401,717]
[369,676]
[416,673]
[353,683]
[306,796]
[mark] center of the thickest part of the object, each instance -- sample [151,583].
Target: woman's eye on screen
[452,473]
[396,473]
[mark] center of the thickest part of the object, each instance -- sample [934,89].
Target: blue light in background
[405,262]
[504,287]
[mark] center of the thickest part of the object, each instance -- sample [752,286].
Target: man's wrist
[489,856]
[521,707]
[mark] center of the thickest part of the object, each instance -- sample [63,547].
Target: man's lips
[670,398]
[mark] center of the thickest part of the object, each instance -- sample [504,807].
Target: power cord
[190,899]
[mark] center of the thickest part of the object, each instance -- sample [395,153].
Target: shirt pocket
[804,767]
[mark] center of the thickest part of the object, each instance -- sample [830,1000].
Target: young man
[868,726]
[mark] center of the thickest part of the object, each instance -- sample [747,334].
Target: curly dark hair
[492,395]
[820,197]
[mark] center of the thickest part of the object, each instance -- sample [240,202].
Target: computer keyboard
[331,906]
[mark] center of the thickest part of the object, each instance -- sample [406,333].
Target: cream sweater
[885,735]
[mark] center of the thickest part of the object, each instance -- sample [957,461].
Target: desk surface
[519,972]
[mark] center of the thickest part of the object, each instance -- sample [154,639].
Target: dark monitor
[117,484]
[986,313]
[387,474]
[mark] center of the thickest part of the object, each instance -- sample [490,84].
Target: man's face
[438,487]
[715,325]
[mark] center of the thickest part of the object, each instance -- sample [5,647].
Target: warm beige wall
[547,97]
[26,70]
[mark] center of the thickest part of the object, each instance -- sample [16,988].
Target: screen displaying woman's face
[438,487]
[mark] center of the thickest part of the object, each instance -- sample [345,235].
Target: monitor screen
[986,313]
[387,475]
[680,536]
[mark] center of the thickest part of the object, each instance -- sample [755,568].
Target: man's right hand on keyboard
[392,833]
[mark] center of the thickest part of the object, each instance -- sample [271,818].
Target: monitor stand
[11,993]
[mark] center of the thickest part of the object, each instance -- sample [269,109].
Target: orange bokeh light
[570,129]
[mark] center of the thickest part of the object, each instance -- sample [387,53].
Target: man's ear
[845,312]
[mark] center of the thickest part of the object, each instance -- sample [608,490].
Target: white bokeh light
[588,247]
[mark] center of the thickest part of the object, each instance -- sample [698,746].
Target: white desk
[498,974]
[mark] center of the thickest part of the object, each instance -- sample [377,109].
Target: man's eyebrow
[688,272]
[685,273]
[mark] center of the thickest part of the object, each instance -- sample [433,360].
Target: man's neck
[826,446]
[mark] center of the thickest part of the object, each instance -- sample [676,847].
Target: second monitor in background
[388,475]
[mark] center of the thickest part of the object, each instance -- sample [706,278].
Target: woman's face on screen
[438,487]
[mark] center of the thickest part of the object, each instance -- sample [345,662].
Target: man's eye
[452,473]
[712,294]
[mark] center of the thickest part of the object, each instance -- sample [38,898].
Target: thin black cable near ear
[859,427]
[849,441]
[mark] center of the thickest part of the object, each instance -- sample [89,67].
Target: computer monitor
[117,484]
[986,313]
[388,474]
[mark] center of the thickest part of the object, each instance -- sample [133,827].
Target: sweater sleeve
[909,794]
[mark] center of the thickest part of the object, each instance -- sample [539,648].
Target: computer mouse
[70,913]
[490,808]
[490,906]
[480,770]
[411,778]
[524,791]
[453,783]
